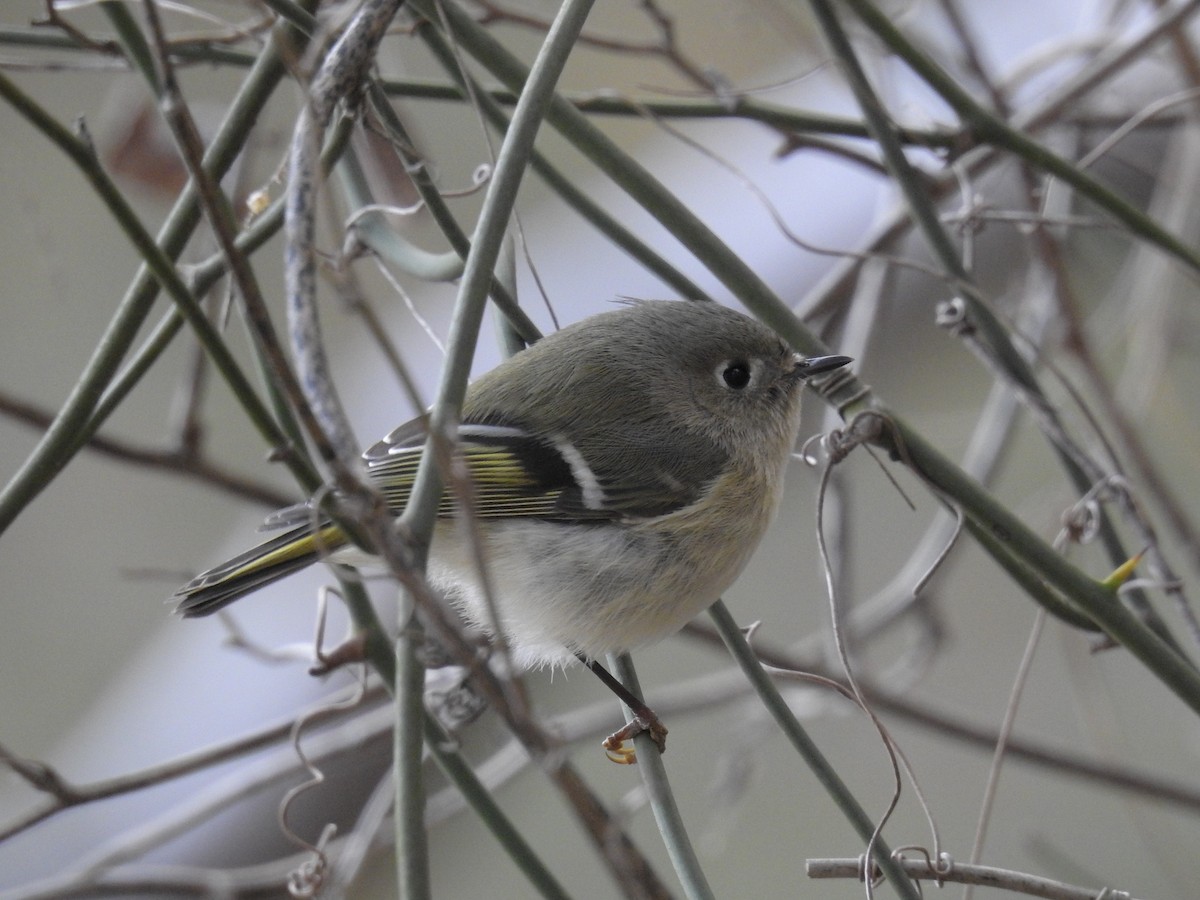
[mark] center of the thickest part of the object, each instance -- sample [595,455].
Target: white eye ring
[735,374]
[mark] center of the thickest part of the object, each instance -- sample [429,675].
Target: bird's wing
[513,473]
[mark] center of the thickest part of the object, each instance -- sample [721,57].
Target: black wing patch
[515,474]
[512,474]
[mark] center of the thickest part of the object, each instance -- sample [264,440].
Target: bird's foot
[618,746]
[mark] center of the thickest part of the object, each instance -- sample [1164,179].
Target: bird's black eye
[736,374]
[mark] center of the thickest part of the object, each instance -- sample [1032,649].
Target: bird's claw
[617,748]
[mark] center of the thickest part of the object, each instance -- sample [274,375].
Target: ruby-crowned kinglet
[624,467]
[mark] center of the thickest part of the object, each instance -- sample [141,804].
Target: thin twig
[66,794]
[178,462]
[62,438]
[666,47]
[631,871]
[662,798]
[816,761]
[218,212]
[946,870]
[1020,680]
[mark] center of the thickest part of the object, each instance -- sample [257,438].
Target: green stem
[382,656]
[412,842]
[990,338]
[132,42]
[459,771]
[566,187]
[735,641]
[662,798]
[59,442]
[1077,589]
[636,181]
[627,866]
[442,215]
[203,277]
[990,129]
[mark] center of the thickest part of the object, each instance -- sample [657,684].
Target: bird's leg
[644,718]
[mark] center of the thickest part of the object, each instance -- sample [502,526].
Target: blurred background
[98,678]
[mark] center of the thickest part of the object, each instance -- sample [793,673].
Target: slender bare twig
[946,870]
[1020,680]
[885,700]
[219,214]
[64,794]
[587,724]
[177,461]
[666,47]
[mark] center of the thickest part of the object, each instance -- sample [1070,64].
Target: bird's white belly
[591,589]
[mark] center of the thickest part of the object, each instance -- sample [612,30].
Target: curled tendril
[383,209]
[952,315]
[837,443]
[308,878]
[1081,521]
[865,866]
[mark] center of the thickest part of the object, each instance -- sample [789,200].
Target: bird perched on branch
[623,471]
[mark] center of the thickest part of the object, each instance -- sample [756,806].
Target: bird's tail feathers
[269,561]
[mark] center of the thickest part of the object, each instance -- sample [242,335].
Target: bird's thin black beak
[815,365]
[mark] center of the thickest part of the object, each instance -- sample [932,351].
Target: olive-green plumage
[624,469]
